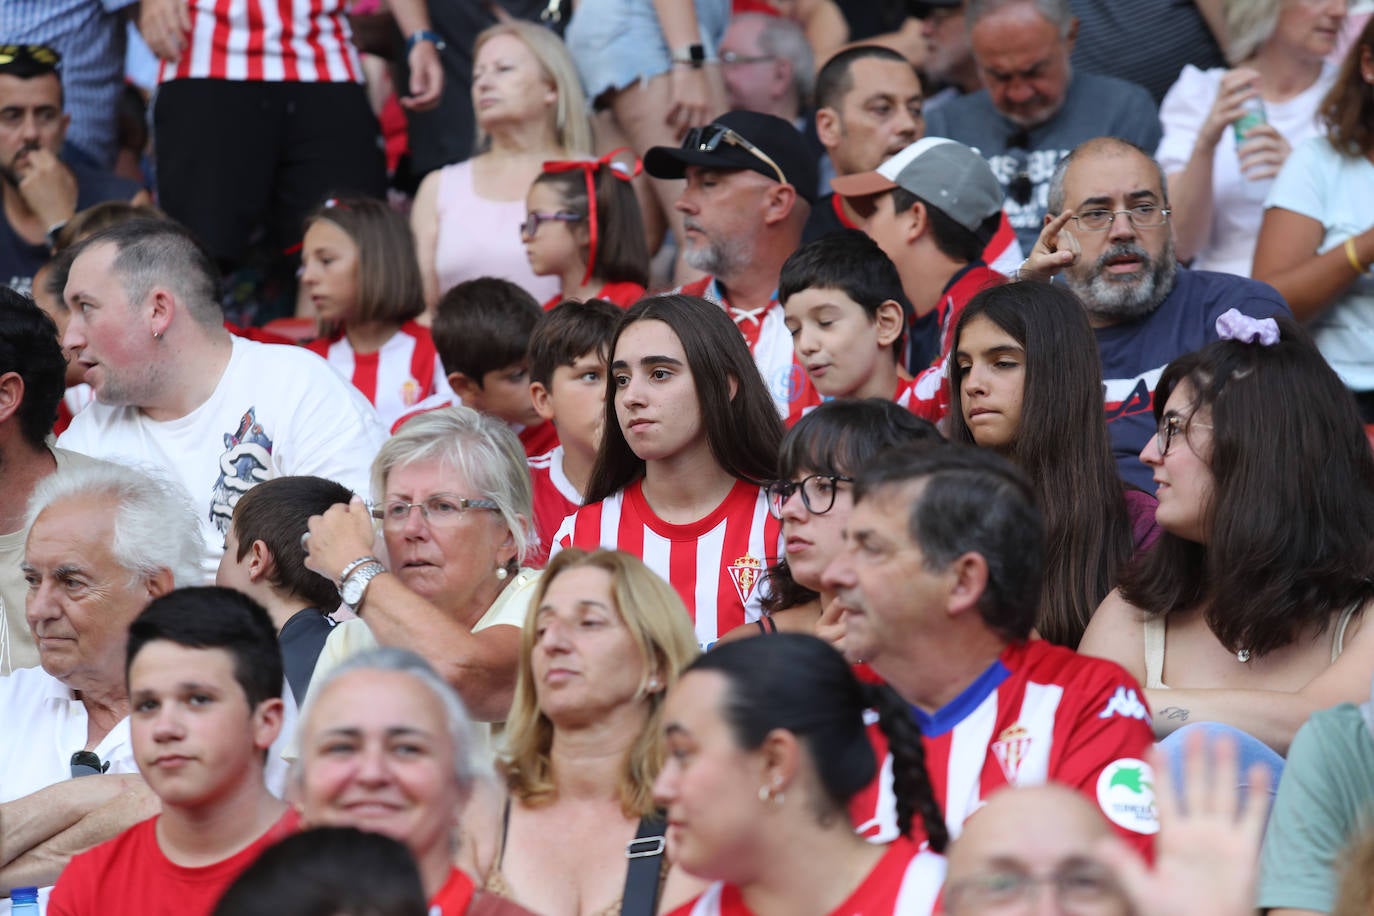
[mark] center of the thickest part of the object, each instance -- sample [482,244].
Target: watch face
[352,590]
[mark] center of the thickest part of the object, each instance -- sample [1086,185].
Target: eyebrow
[674,729]
[182,687]
[579,604]
[393,731]
[648,361]
[999,348]
[1105,201]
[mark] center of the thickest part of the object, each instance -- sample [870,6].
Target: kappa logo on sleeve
[1125,703]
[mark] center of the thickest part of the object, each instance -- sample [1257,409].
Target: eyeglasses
[1145,216]
[1076,888]
[732,57]
[441,510]
[708,139]
[817,493]
[86,763]
[38,54]
[531,224]
[1171,427]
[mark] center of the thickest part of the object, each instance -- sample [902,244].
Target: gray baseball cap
[944,173]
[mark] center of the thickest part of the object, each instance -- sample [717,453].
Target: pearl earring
[501,573]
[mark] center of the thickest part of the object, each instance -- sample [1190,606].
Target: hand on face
[48,187]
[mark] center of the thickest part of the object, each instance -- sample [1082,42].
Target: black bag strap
[645,854]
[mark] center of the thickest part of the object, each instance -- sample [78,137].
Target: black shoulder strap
[645,853]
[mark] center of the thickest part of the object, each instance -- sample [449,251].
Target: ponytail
[910,781]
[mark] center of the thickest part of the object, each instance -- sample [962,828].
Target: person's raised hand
[1237,87]
[426,77]
[830,626]
[1207,849]
[338,537]
[691,97]
[1263,153]
[48,187]
[1055,249]
[165,25]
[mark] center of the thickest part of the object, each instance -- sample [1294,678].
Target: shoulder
[136,848]
[511,606]
[1116,635]
[25,689]
[1338,735]
[1193,82]
[1098,86]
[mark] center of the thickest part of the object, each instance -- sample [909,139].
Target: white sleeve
[1181,114]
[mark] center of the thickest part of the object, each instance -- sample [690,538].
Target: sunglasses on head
[41,56]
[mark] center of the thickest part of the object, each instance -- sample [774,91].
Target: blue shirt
[1134,353]
[89,34]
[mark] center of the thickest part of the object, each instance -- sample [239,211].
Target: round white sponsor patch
[1126,794]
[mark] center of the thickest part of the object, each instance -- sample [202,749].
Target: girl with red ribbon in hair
[583,226]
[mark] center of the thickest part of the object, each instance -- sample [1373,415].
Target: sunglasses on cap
[707,139]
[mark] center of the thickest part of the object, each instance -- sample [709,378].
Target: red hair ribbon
[589,168]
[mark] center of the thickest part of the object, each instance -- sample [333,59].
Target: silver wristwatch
[353,586]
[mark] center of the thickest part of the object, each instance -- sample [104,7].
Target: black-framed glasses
[734,57]
[1170,428]
[1076,887]
[439,511]
[1145,216]
[87,763]
[42,55]
[817,493]
[531,224]
[707,139]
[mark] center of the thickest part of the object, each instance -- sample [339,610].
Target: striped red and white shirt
[715,564]
[275,41]
[1041,713]
[905,882]
[395,378]
[555,497]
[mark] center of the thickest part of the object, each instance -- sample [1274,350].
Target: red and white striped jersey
[771,343]
[397,377]
[555,497]
[1041,713]
[905,882]
[275,41]
[715,564]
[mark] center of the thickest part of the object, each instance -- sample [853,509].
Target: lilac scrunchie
[1233,325]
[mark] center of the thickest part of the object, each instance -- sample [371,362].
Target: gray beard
[718,260]
[1125,300]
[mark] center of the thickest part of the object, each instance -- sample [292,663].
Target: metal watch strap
[348,570]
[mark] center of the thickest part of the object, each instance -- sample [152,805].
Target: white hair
[155,525]
[1057,12]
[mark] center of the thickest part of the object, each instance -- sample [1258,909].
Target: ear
[734,386]
[782,76]
[11,394]
[542,399]
[267,722]
[161,306]
[780,755]
[1071,37]
[968,580]
[505,551]
[828,127]
[468,389]
[159,583]
[917,222]
[261,563]
[779,203]
[889,321]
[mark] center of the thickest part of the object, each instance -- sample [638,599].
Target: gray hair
[481,448]
[468,765]
[155,525]
[1055,202]
[784,39]
[1057,12]
[151,252]
[1249,23]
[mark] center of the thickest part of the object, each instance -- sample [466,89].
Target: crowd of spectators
[687,457]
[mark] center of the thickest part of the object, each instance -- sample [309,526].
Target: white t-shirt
[1336,190]
[1237,202]
[276,411]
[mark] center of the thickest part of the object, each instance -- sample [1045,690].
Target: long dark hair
[1062,446]
[799,683]
[743,431]
[838,437]
[1290,520]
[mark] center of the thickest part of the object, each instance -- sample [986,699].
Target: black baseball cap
[717,146]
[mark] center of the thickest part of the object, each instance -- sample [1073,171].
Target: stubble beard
[1126,299]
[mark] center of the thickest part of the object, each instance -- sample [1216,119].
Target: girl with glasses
[583,226]
[813,497]
[690,437]
[1249,611]
[1026,381]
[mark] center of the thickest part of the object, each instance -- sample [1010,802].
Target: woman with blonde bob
[604,640]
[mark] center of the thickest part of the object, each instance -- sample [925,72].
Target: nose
[373,768]
[554,639]
[906,124]
[310,272]
[665,786]
[73,338]
[840,573]
[1121,227]
[632,395]
[793,509]
[41,605]
[687,201]
[416,525]
[974,382]
[167,726]
[806,341]
[1150,454]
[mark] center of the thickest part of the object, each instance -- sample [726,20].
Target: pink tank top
[480,237]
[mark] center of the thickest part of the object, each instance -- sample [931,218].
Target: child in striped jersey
[583,226]
[690,435]
[842,297]
[569,350]
[360,274]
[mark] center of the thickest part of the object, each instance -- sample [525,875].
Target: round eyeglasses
[817,493]
[439,511]
[1145,216]
[531,224]
[1171,427]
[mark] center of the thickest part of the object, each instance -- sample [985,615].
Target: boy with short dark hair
[205,677]
[263,558]
[841,296]
[569,352]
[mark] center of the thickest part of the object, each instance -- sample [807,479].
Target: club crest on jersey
[410,392]
[1011,749]
[745,572]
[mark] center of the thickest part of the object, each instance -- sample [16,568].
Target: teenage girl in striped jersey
[691,436]
[359,271]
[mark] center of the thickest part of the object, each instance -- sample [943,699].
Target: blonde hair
[661,628]
[1249,23]
[571,123]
